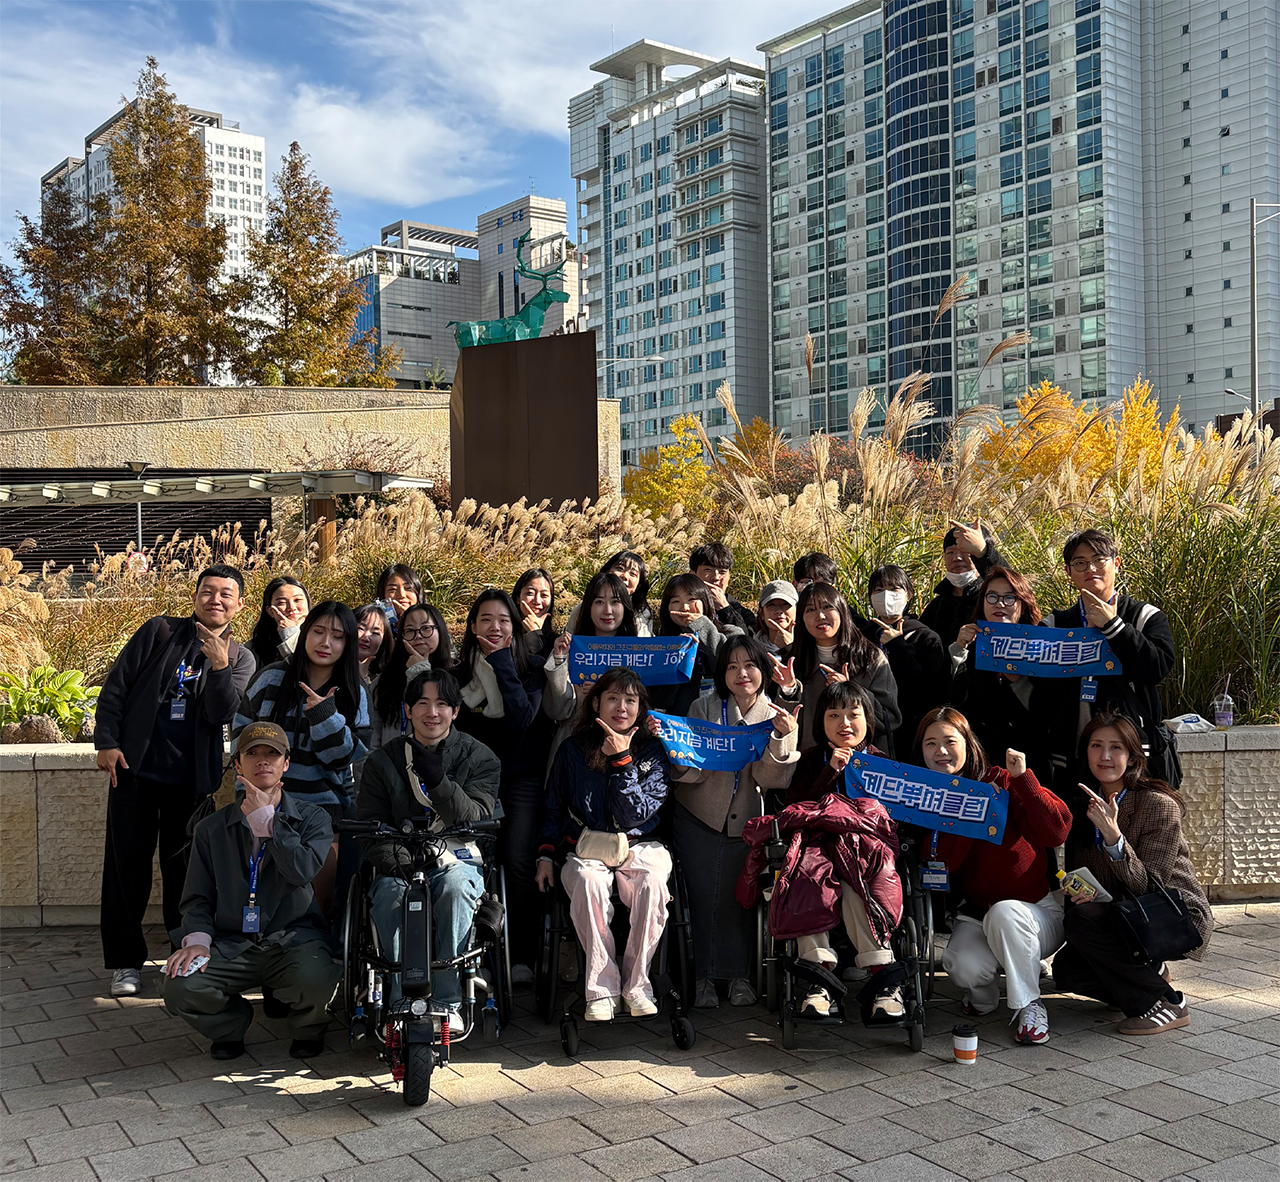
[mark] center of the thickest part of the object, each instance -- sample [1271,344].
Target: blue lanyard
[724,721]
[185,673]
[254,863]
[1097,833]
[933,845]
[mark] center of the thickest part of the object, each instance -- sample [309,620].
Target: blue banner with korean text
[932,800]
[656,660]
[1044,652]
[711,746]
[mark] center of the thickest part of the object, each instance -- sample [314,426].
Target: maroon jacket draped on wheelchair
[830,842]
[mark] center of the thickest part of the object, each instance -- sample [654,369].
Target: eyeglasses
[1098,562]
[995,600]
[419,633]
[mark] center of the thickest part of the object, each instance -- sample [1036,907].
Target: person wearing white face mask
[915,652]
[968,552]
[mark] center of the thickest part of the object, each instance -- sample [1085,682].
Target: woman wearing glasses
[1005,709]
[423,642]
[1139,634]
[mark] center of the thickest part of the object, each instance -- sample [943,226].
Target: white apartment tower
[503,290]
[672,236]
[1088,163]
[236,162]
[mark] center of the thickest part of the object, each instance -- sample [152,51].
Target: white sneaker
[741,993]
[601,1010]
[641,1005]
[126,982]
[1033,1024]
[521,974]
[817,1004]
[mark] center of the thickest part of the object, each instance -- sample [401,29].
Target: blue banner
[656,660]
[932,800]
[1044,652]
[711,746]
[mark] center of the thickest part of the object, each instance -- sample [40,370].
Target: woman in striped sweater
[319,700]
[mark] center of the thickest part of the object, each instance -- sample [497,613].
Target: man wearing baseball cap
[249,916]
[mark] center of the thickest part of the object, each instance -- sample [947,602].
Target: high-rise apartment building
[672,224]
[503,290]
[416,283]
[236,162]
[1088,163]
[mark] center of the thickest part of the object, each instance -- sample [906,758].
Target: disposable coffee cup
[964,1041]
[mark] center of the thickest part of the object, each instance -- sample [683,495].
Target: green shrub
[62,696]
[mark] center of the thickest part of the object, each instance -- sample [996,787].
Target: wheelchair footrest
[815,974]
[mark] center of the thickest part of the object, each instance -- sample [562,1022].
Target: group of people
[374,713]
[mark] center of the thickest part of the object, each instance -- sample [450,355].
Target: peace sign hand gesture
[614,742]
[970,538]
[785,721]
[314,699]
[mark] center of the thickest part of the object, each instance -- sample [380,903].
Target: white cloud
[432,100]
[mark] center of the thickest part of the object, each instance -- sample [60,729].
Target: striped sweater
[323,744]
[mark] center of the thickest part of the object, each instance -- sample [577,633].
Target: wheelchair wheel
[773,981]
[505,990]
[544,973]
[569,1036]
[354,969]
[683,1033]
[929,953]
[788,1020]
[762,953]
[419,1059]
[915,1033]
[489,1024]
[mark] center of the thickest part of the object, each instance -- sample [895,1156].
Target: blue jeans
[455,891]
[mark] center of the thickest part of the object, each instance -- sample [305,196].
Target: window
[835,93]
[1010,98]
[1226,245]
[716,359]
[1037,161]
[715,331]
[962,80]
[1011,169]
[1039,197]
[1039,269]
[1186,106]
[1089,147]
[1089,111]
[1089,37]
[875,143]
[1089,183]
[1010,63]
[872,47]
[1224,131]
[962,46]
[835,61]
[875,305]
[664,178]
[966,147]
[1010,28]
[963,114]
[664,146]
[1226,92]
[1010,133]
[1093,331]
[1226,53]
[1093,376]
[1093,294]
[778,116]
[1012,275]
[645,153]
[1089,71]
[1035,17]
[875,241]
[873,111]
[812,70]
[713,126]
[1191,378]
[620,162]
[966,251]
[1226,285]
[1226,322]
[777,84]
[1013,309]
[1041,307]
[1226,207]
[1010,204]
[1038,89]
[872,80]
[1186,217]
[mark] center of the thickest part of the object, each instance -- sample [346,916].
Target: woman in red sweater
[1009,917]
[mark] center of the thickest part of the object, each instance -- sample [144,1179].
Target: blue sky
[426,110]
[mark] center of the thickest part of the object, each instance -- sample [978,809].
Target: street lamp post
[1254,223]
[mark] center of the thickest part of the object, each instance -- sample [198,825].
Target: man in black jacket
[160,720]
[968,552]
[1139,634]
[249,914]
[713,564]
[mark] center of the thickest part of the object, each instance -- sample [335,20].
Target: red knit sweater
[1016,868]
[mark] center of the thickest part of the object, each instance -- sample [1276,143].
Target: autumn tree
[46,307]
[672,474]
[302,330]
[163,314]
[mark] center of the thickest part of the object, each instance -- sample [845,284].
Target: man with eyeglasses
[1139,634]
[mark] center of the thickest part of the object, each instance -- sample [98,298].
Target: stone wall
[239,427]
[53,817]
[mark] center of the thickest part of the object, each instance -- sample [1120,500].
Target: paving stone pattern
[113,1090]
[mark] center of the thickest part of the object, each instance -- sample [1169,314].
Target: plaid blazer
[1155,852]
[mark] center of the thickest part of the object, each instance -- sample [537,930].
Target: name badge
[252,920]
[1088,689]
[178,710]
[934,876]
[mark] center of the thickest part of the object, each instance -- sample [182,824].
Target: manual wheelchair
[413,1033]
[670,971]
[782,977]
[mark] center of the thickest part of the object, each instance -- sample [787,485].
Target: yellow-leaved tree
[672,474]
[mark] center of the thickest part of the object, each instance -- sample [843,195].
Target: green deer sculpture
[526,324]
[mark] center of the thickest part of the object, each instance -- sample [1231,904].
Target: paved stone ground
[100,1089]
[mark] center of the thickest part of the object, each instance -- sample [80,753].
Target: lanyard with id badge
[933,874]
[187,676]
[252,923]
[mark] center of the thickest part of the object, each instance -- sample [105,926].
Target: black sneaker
[306,1048]
[227,1049]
